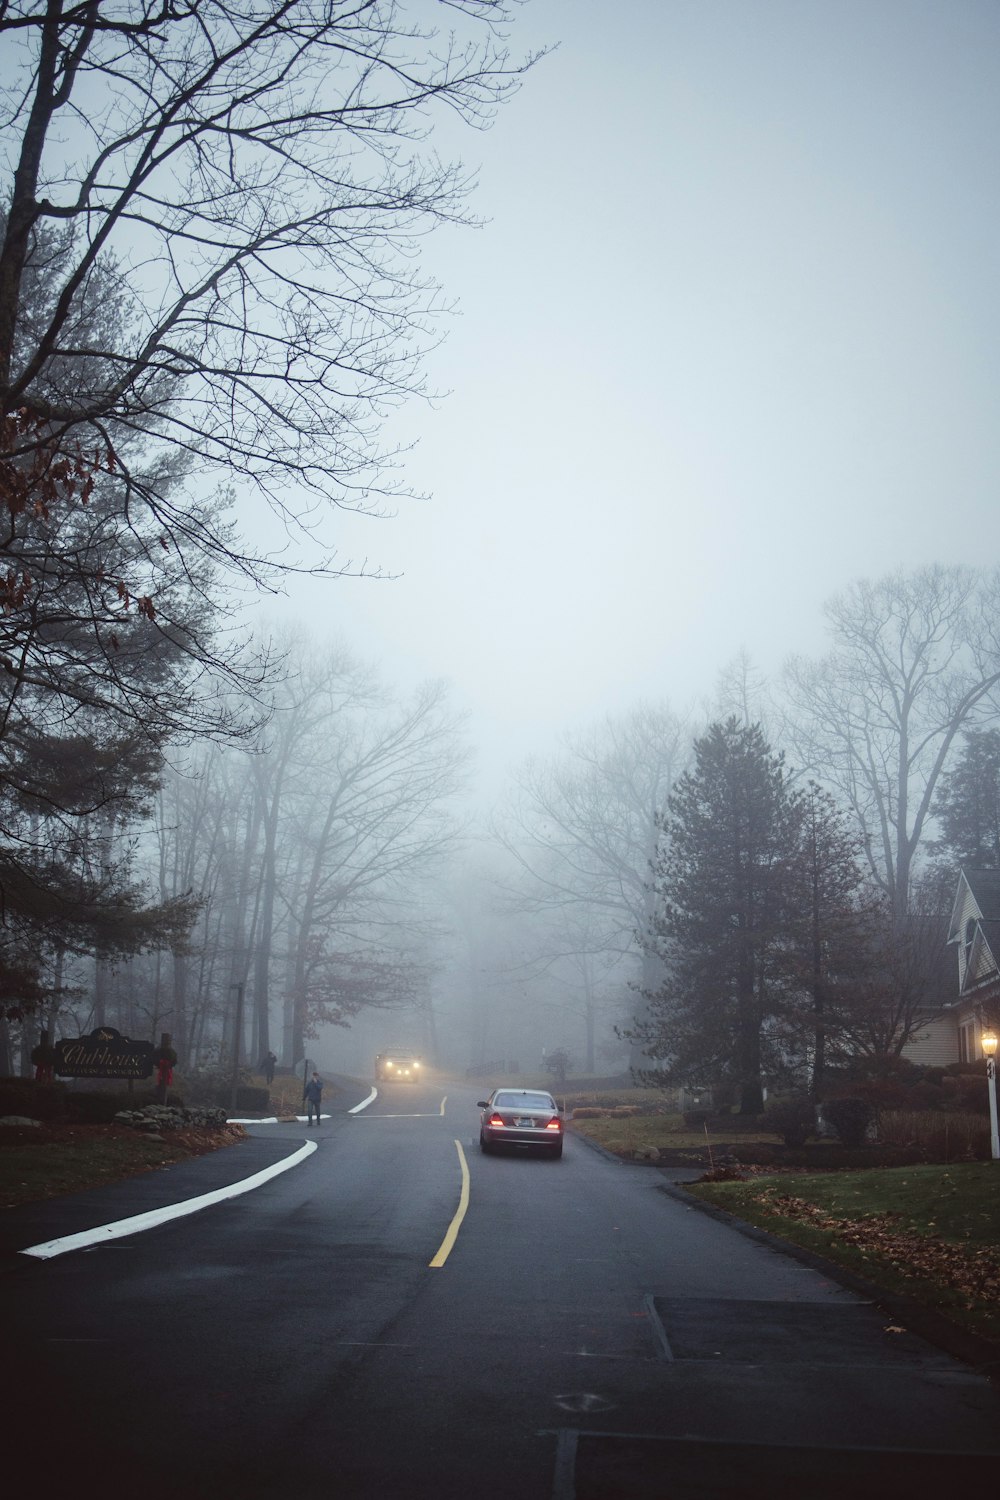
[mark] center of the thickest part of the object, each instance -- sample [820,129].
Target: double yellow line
[463,1204]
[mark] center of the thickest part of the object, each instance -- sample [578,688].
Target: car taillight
[497,1120]
[554,1124]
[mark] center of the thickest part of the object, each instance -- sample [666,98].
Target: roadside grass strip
[928,1232]
[151,1220]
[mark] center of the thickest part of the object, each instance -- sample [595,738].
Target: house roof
[975,928]
[981,967]
[985,888]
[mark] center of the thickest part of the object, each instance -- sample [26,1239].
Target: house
[975,932]
[954,1033]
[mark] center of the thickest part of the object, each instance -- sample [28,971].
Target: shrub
[36,1101]
[883,1093]
[943,1136]
[255,1100]
[925,1095]
[966,1092]
[850,1118]
[214,1086]
[100,1108]
[827,1156]
[793,1118]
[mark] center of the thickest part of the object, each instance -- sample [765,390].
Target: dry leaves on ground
[974,1273]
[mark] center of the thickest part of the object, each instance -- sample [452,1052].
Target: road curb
[579,1135]
[620,1161]
[971,1348]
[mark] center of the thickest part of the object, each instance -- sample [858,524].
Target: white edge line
[364,1103]
[138,1222]
[273,1120]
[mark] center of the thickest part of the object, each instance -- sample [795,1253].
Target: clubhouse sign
[105,1053]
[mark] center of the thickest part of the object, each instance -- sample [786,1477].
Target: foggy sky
[727,342]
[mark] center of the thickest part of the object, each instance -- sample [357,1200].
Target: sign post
[988,1042]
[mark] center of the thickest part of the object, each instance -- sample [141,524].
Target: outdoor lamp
[988,1042]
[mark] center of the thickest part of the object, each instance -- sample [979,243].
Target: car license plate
[523,1122]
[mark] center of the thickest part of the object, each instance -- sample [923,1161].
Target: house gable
[953,1034]
[974,929]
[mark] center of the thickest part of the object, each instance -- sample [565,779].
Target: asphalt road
[345,1329]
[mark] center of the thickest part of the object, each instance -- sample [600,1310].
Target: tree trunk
[102,976]
[748,1051]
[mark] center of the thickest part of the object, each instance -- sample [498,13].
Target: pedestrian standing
[314,1096]
[270,1062]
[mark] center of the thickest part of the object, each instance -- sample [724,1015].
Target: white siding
[935,1045]
[966,909]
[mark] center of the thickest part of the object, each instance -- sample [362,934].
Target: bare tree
[584,833]
[252,182]
[916,658]
[744,692]
[375,818]
[583,829]
[908,980]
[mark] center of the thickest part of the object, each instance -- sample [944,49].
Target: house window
[967,1042]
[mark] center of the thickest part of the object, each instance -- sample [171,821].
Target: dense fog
[369,588]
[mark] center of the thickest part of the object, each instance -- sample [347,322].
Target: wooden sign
[105,1053]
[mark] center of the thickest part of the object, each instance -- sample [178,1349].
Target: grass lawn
[627,1133]
[51,1160]
[929,1232]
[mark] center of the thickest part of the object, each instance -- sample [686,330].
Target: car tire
[484,1144]
[556,1152]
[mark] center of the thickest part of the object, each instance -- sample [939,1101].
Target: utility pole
[237,1041]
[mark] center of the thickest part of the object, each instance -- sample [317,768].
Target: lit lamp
[988,1042]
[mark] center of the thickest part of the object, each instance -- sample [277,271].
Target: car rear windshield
[509,1100]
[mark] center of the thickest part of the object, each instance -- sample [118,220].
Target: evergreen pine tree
[723,886]
[968,804]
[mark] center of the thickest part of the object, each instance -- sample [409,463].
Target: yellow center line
[444,1101]
[456,1223]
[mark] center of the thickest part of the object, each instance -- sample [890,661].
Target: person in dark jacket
[269,1063]
[314,1096]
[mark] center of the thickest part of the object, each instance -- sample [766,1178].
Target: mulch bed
[194,1142]
[44,1161]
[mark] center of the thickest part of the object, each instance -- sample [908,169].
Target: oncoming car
[524,1118]
[401,1066]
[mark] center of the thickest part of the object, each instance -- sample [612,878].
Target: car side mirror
[482,1104]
